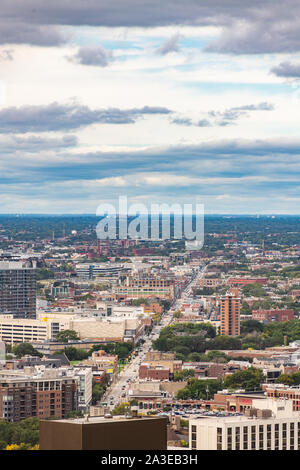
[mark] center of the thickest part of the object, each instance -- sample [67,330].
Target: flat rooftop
[103,419]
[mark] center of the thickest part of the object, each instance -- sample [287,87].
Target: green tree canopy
[249,379]
[199,389]
[24,349]
[67,335]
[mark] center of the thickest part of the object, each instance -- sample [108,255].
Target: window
[253,437]
[269,435]
[284,440]
[261,437]
[219,438]
[245,437]
[237,438]
[229,439]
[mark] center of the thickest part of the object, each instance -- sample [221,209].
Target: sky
[163,102]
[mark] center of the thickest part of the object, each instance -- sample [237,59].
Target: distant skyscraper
[18,289]
[230,314]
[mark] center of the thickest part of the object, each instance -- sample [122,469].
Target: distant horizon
[79,214]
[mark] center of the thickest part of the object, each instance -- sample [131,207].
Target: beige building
[46,327]
[13,331]
[269,425]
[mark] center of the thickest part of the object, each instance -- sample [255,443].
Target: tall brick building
[230,314]
[50,394]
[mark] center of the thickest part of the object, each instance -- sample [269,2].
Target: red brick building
[286,393]
[27,396]
[230,315]
[244,281]
[153,373]
[279,315]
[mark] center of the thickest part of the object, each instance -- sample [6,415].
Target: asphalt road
[117,392]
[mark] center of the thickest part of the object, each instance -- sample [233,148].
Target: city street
[117,392]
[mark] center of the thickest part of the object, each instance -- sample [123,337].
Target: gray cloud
[182,121]
[247,27]
[287,70]
[224,118]
[203,123]
[188,122]
[274,31]
[19,145]
[23,33]
[170,45]
[233,114]
[36,143]
[55,117]
[94,56]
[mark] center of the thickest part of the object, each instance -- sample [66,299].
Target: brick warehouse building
[276,314]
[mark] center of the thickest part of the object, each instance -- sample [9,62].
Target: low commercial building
[157,372]
[211,282]
[100,433]
[275,314]
[102,361]
[164,288]
[246,281]
[99,271]
[284,392]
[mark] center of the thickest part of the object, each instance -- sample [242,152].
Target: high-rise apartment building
[230,314]
[44,394]
[18,289]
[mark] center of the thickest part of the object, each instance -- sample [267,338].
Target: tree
[24,349]
[66,335]
[73,354]
[224,342]
[249,379]
[134,402]
[177,314]
[121,409]
[245,309]
[199,389]
[183,375]
[97,393]
[286,379]
[43,274]
[254,290]
[248,326]
[216,356]
[289,379]
[22,435]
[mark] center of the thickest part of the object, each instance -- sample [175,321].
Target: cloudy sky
[167,101]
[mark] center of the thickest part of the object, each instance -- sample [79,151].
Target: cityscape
[149,228]
[204,342]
